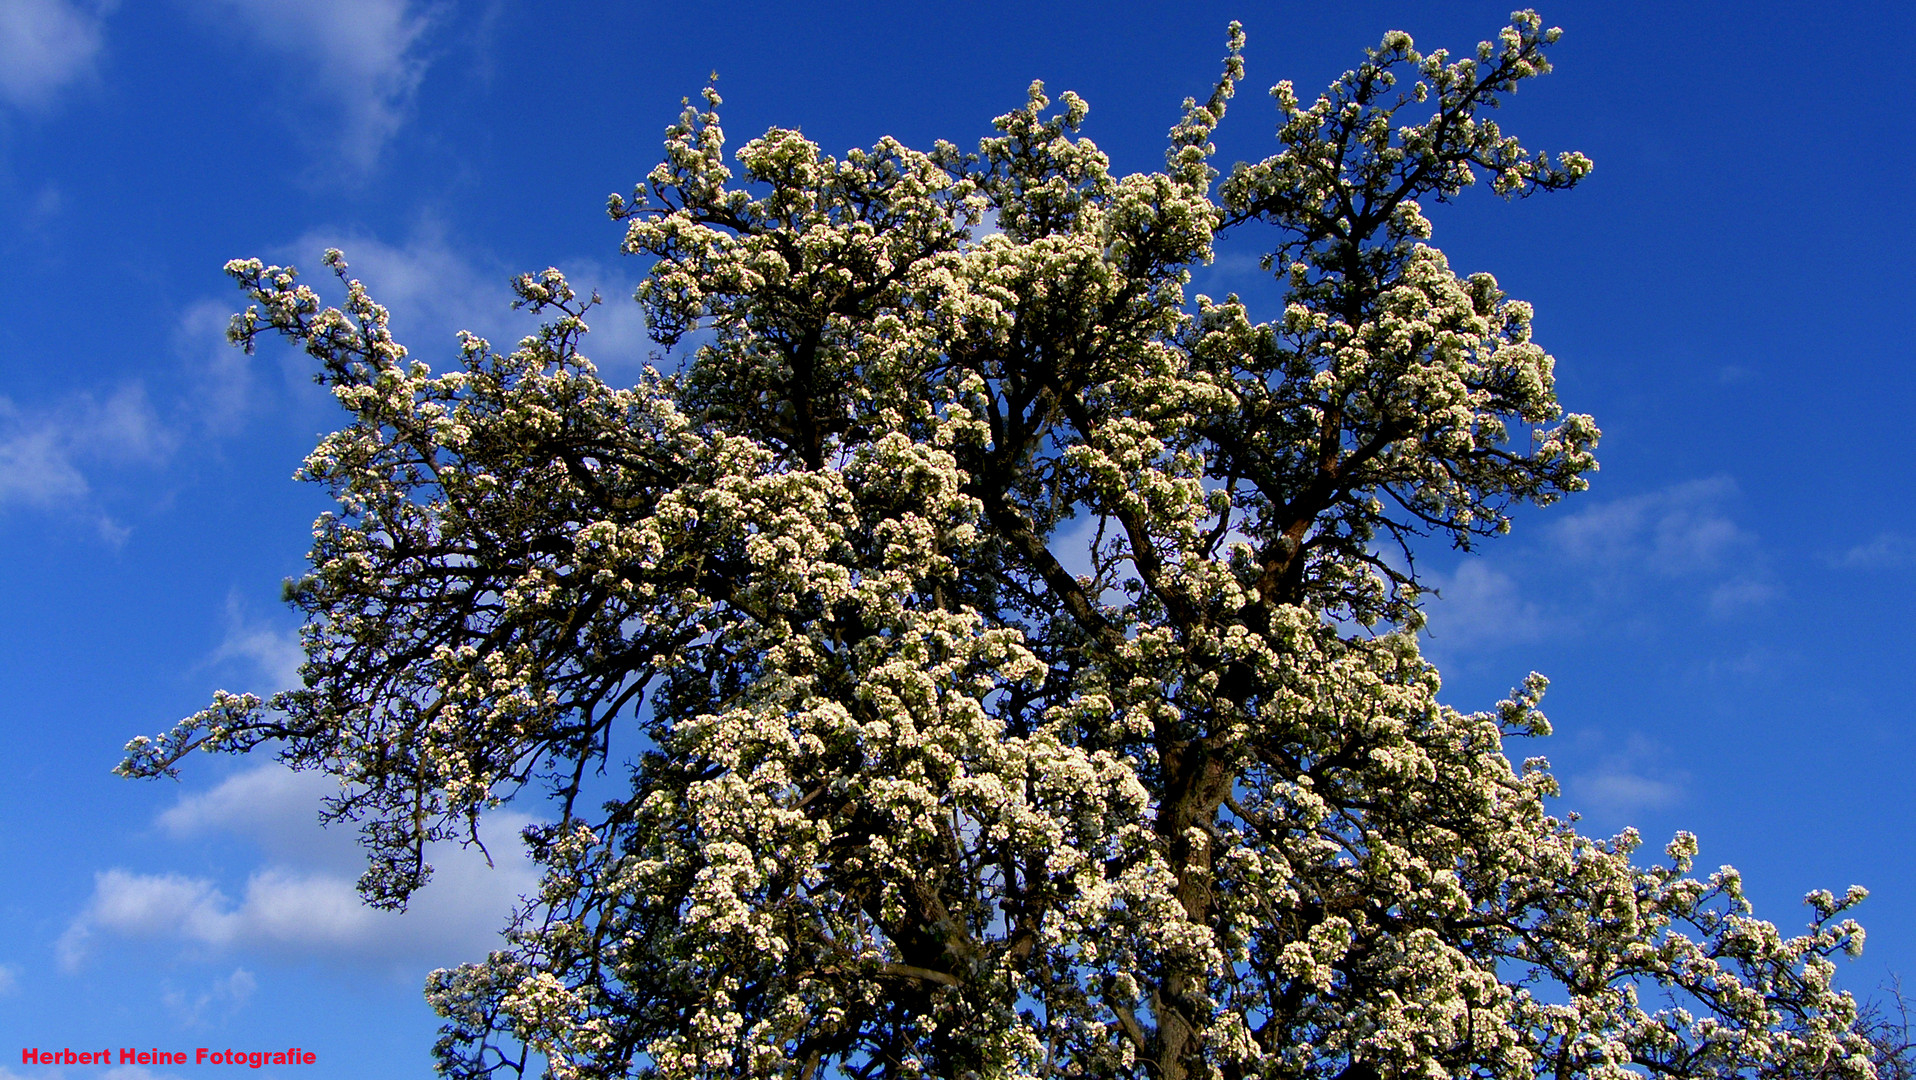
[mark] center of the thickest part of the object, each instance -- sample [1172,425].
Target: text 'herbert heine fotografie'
[292,1055]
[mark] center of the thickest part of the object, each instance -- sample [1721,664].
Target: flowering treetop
[1015,654]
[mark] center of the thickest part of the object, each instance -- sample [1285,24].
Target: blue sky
[1723,615]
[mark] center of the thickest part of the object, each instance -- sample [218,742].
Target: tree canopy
[1013,659]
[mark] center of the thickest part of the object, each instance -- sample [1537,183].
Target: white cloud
[1679,530]
[1758,663]
[1739,594]
[223,997]
[219,376]
[363,57]
[135,1072]
[43,450]
[46,45]
[1683,533]
[275,654]
[117,1072]
[1623,792]
[434,290]
[36,464]
[46,205]
[1884,551]
[275,807]
[619,344]
[1480,607]
[1633,779]
[303,901]
[9,979]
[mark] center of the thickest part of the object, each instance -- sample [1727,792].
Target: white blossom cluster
[1001,644]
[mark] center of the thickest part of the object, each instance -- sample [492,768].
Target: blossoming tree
[1013,657]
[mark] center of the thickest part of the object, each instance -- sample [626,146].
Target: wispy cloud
[36,460]
[45,451]
[9,979]
[45,207]
[46,46]
[223,997]
[275,654]
[619,343]
[435,289]
[219,376]
[117,1072]
[1685,532]
[364,58]
[1625,792]
[130,1072]
[1478,607]
[274,807]
[1739,594]
[1884,551]
[1679,529]
[302,901]
[1632,779]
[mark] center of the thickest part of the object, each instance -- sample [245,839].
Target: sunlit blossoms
[1004,661]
